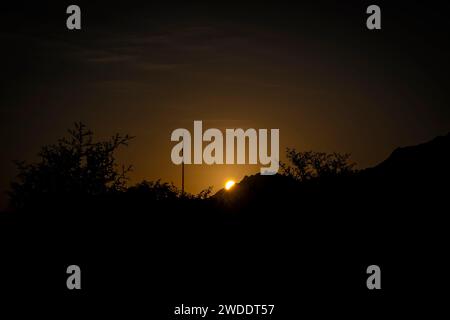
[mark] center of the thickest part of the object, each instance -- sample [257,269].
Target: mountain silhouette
[410,167]
[415,164]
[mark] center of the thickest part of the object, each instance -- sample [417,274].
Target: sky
[313,71]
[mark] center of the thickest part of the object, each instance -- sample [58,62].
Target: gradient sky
[313,71]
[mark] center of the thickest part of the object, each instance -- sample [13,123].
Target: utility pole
[182,173]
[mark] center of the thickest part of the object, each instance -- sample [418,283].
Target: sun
[229,184]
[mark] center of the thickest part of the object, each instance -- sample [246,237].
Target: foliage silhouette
[76,165]
[310,165]
[155,190]
[160,191]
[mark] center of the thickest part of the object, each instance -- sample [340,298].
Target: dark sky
[312,70]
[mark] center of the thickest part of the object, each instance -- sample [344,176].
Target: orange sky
[316,75]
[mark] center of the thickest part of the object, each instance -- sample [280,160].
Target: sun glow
[229,184]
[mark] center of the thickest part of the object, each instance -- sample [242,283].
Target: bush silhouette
[76,165]
[310,165]
[157,190]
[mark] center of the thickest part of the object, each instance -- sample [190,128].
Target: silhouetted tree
[204,194]
[157,190]
[73,166]
[309,165]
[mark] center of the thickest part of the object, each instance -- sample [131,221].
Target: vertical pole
[182,174]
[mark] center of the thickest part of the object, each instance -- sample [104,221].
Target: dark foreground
[304,248]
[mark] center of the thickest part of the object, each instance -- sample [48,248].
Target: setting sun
[229,184]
